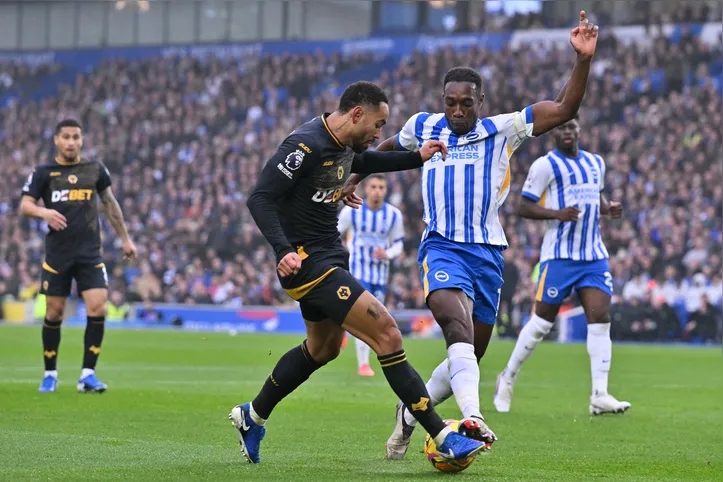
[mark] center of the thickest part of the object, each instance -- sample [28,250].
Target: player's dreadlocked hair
[463,74]
[67,123]
[361,93]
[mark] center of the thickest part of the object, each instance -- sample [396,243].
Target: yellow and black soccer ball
[439,462]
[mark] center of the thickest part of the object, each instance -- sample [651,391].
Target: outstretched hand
[430,148]
[584,37]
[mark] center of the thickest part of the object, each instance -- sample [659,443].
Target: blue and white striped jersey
[556,182]
[462,196]
[368,230]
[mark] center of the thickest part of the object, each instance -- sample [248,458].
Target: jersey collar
[61,162]
[323,121]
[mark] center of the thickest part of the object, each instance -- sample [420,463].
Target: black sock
[93,339]
[51,342]
[293,369]
[410,389]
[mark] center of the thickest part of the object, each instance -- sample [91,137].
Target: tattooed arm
[115,216]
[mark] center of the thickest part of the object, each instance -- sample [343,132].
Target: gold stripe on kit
[303,290]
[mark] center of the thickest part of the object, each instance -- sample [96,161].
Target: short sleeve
[601,165]
[35,184]
[516,126]
[538,179]
[104,181]
[408,138]
[397,230]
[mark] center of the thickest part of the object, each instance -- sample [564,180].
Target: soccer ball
[439,462]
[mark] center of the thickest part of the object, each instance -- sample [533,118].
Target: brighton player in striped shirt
[376,234]
[461,252]
[565,188]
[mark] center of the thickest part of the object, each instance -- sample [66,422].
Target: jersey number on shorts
[608,279]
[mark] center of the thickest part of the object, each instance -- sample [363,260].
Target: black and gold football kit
[73,252]
[296,203]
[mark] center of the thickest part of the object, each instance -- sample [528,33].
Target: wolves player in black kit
[68,187]
[295,205]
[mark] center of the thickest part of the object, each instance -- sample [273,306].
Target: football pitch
[164,416]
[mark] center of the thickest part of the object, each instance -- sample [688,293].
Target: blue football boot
[250,434]
[91,384]
[49,384]
[458,447]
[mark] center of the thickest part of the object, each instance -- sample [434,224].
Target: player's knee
[547,312]
[96,309]
[597,316]
[326,354]
[388,339]
[54,311]
[323,353]
[457,327]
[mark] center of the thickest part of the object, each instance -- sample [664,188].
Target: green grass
[165,414]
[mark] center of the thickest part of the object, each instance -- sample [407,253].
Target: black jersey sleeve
[388,161]
[35,184]
[290,162]
[103,181]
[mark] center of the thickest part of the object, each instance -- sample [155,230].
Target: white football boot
[503,393]
[606,403]
[400,438]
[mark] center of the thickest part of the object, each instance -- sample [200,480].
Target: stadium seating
[184,140]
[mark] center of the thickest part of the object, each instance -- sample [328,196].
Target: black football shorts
[57,277]
[323,286]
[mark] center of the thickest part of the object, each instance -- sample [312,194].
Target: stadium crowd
[185,139]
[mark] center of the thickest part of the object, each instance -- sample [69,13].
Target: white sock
[255,417]
[86,372]
[438,387]
[362,353]
[600,349]
[464,378]
[439,439]
[51,373]
[530,336]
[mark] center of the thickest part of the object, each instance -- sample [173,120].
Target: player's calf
[452,309]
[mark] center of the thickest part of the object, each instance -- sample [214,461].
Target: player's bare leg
[370,321]
[596,304]
[531,335]
[54,310]
[95,305]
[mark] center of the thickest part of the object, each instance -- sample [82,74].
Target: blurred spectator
[703,324]
[149,313]
[118,309]
[185,140]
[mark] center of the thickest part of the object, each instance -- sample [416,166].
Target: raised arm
[550,114]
